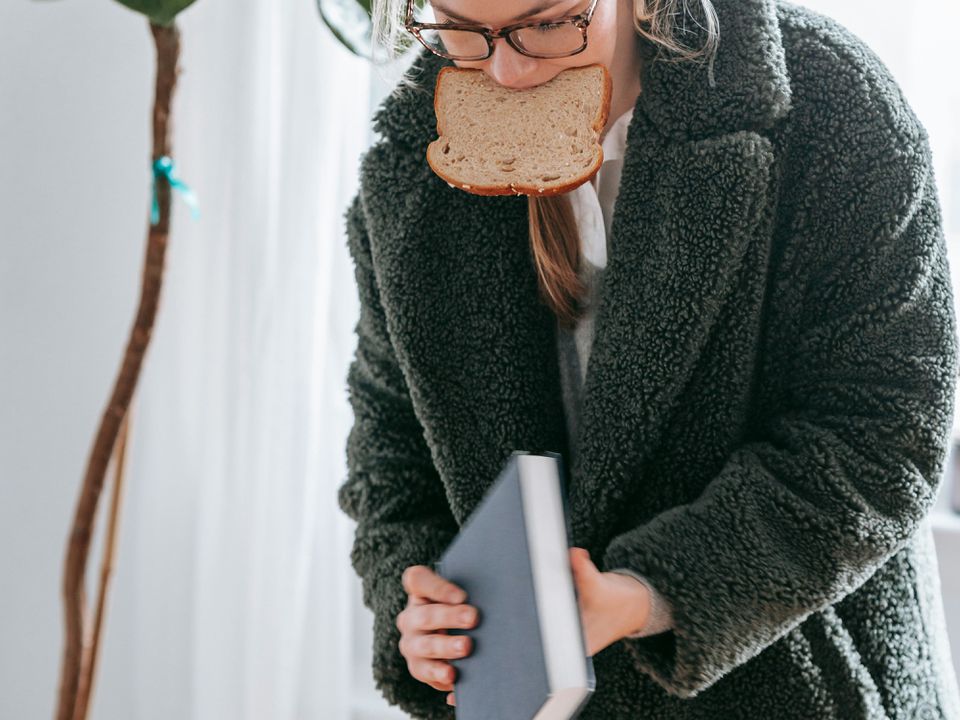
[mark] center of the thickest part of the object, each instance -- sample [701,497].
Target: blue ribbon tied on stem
[163,166]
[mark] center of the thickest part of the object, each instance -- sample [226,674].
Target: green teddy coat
[767,404]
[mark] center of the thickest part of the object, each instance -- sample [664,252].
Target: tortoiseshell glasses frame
[581,21]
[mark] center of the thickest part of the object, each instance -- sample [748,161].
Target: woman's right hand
[433,605]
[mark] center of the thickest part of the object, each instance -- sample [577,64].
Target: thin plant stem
[78,629]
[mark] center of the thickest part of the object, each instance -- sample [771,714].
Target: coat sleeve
[849,461]
[392,489]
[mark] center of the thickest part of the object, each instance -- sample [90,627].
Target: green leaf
[349,21]
[161,12]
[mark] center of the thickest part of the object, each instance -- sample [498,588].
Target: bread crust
[599,121]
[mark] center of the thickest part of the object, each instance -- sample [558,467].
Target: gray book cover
[512,558]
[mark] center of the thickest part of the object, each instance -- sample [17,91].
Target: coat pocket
[842,673]
[785,681]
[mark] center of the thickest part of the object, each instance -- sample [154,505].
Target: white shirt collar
[614,142]
[594,210]
[616,138]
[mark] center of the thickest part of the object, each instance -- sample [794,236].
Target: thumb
[580,560]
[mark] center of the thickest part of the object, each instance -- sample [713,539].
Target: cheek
[594,53]
[601,39]
[600,49]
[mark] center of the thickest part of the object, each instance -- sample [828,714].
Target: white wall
[75,83]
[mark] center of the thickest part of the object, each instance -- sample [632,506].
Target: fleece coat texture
[767,405]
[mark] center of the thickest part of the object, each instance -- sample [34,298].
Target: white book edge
[560,632]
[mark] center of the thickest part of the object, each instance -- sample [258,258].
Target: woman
[763,423]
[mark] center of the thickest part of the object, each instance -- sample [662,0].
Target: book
[511,556]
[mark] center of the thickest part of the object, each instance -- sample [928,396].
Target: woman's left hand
[612,605]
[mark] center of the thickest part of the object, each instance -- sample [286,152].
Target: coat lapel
[679,241]
[460,290]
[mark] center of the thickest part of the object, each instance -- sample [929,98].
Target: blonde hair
[554,240]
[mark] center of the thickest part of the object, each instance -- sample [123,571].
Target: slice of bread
[496,140]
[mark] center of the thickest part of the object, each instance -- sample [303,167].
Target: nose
[510,68]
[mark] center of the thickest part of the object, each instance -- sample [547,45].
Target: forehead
[497,12]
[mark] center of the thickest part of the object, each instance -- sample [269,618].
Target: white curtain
[236,599]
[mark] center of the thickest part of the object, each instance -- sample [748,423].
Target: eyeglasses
[462,41]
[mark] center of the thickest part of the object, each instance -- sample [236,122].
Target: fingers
[422,652]
[434,645]
[450,699]
[435,673]
[434,606]
[424,585]
[436,616]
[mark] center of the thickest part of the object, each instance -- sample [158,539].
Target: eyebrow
[533,11]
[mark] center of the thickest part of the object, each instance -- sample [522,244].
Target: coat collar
[459,287]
